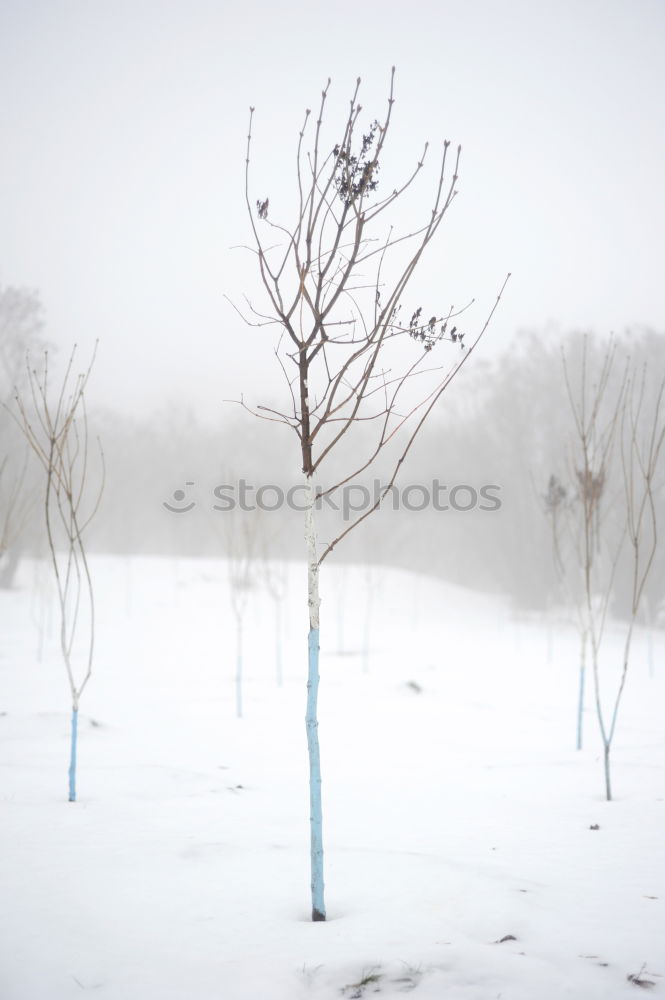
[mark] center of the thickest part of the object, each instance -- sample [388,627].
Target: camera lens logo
[179,496]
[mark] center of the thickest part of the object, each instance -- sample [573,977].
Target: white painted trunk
[313,599]
[311,718]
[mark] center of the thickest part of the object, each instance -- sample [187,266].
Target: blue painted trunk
[316,815]
[72,756]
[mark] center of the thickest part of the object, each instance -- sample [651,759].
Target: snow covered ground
[456,810]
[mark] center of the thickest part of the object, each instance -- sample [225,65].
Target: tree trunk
[649,627]
[9,561]
[278,641]
[368,617]
[340,601]
[72,756]
[580,697]
[608,785]
[239,667]
[311,719]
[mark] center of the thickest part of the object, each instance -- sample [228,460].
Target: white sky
[123,128]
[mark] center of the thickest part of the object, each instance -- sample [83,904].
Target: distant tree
[615,455]
[334,282]
[275,579]
[557,503]
[243,570]
[14,510]
[21,325]
[56,429]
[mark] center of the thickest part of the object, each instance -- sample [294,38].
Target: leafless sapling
[242,556]
[333,282]
[21,327]
[618,441]
[275,574]
[57,431]
[567,556]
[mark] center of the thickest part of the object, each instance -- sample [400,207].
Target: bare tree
[617,447]
[643,432]
[242,552]
[15,507]
[560,508]
[333,283]
[57,432]
[372,583]
[21,325]
[276,578]
[41,605]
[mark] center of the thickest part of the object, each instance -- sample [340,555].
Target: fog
[121,178]
[469,505]
[475,359]
[122,207]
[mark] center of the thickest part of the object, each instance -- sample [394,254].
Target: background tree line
[504,421]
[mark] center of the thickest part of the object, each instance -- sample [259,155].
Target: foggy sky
[123,127]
